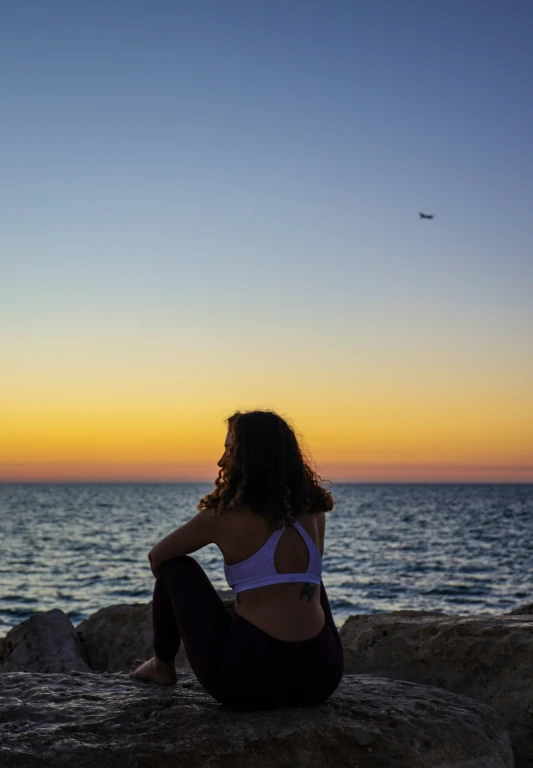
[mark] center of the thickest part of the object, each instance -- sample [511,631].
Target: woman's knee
[182,563]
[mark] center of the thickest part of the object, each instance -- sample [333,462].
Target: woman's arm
[201,530]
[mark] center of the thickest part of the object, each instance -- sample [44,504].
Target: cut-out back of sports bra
[259,569]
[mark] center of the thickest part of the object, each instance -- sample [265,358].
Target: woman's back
[286,611]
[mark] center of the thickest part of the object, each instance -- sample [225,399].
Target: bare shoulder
[240,532]
[231,520]
[321,516]
[315,518]
[232,515]
[315,525]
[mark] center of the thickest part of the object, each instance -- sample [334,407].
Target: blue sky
[218,162]
[306,132]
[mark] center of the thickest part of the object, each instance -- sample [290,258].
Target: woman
[278,644]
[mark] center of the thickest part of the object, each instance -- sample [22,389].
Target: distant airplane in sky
[426,215]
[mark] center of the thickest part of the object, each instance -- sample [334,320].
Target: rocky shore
[421,690]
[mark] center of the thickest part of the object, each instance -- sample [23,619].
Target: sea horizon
[210,482]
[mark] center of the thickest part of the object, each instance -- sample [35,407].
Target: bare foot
[154,670]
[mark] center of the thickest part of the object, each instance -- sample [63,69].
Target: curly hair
[263,468]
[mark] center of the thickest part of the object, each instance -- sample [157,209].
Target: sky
[213,206]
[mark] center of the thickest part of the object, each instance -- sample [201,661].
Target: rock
[46,642]
[487,657]
[109,720]
[522,610]
[108,641]
[116,635]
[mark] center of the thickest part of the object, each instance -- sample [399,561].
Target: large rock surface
[111,721]
[46,642]
[487,657]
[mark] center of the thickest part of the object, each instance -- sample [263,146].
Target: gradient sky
[212,206]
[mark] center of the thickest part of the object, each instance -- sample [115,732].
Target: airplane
[426,215]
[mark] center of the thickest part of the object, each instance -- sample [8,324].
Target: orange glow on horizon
[206,472]
[376,433]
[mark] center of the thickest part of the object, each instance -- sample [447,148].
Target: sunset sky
[213,206]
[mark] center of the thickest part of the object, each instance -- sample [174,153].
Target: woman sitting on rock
[277,645]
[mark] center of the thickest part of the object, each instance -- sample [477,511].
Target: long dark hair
[264,470]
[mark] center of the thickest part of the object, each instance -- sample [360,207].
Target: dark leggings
[236,662]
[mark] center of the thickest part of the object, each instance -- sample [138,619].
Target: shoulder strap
[308,540]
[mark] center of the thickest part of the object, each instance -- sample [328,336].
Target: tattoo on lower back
[308,590]
[238,598]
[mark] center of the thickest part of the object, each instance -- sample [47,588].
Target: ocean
[452,548]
